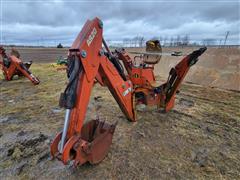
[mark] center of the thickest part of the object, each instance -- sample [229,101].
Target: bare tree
[135,41]
[165,41]
[59,45]
[126,42]
[141,41]
[185,40]
[177,41]
[171,41]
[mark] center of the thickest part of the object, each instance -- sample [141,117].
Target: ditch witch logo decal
[91,36]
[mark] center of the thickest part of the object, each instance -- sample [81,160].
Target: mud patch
[10,120]
[200,157]
[28,149]
[186,103]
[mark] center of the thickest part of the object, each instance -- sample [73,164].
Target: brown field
[198,139]
[217,67]
[41,55]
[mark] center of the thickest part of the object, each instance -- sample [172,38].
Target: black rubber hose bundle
[117,65]
[68,97]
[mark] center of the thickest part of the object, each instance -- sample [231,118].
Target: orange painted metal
[90,142]
[144,83]
[78,147]
[14,66]
[142,76]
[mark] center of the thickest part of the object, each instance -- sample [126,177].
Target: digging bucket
[98,135]
[91,145]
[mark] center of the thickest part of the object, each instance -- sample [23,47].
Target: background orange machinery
[12,65]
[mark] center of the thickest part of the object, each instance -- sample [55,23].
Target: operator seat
[153,52]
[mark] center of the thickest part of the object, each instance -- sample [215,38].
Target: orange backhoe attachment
[12,65]
[89,142]
[90,60]
[142,76]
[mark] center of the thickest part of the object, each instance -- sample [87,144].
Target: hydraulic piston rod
[65,128]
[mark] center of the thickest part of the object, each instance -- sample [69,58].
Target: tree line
[184,40]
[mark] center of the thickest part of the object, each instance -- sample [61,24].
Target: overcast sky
[52,21]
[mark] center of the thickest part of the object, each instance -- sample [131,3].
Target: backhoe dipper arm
[92,61]
[87,62]
[176,76]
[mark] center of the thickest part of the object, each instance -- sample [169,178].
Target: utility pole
[220,42]
[226,38]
